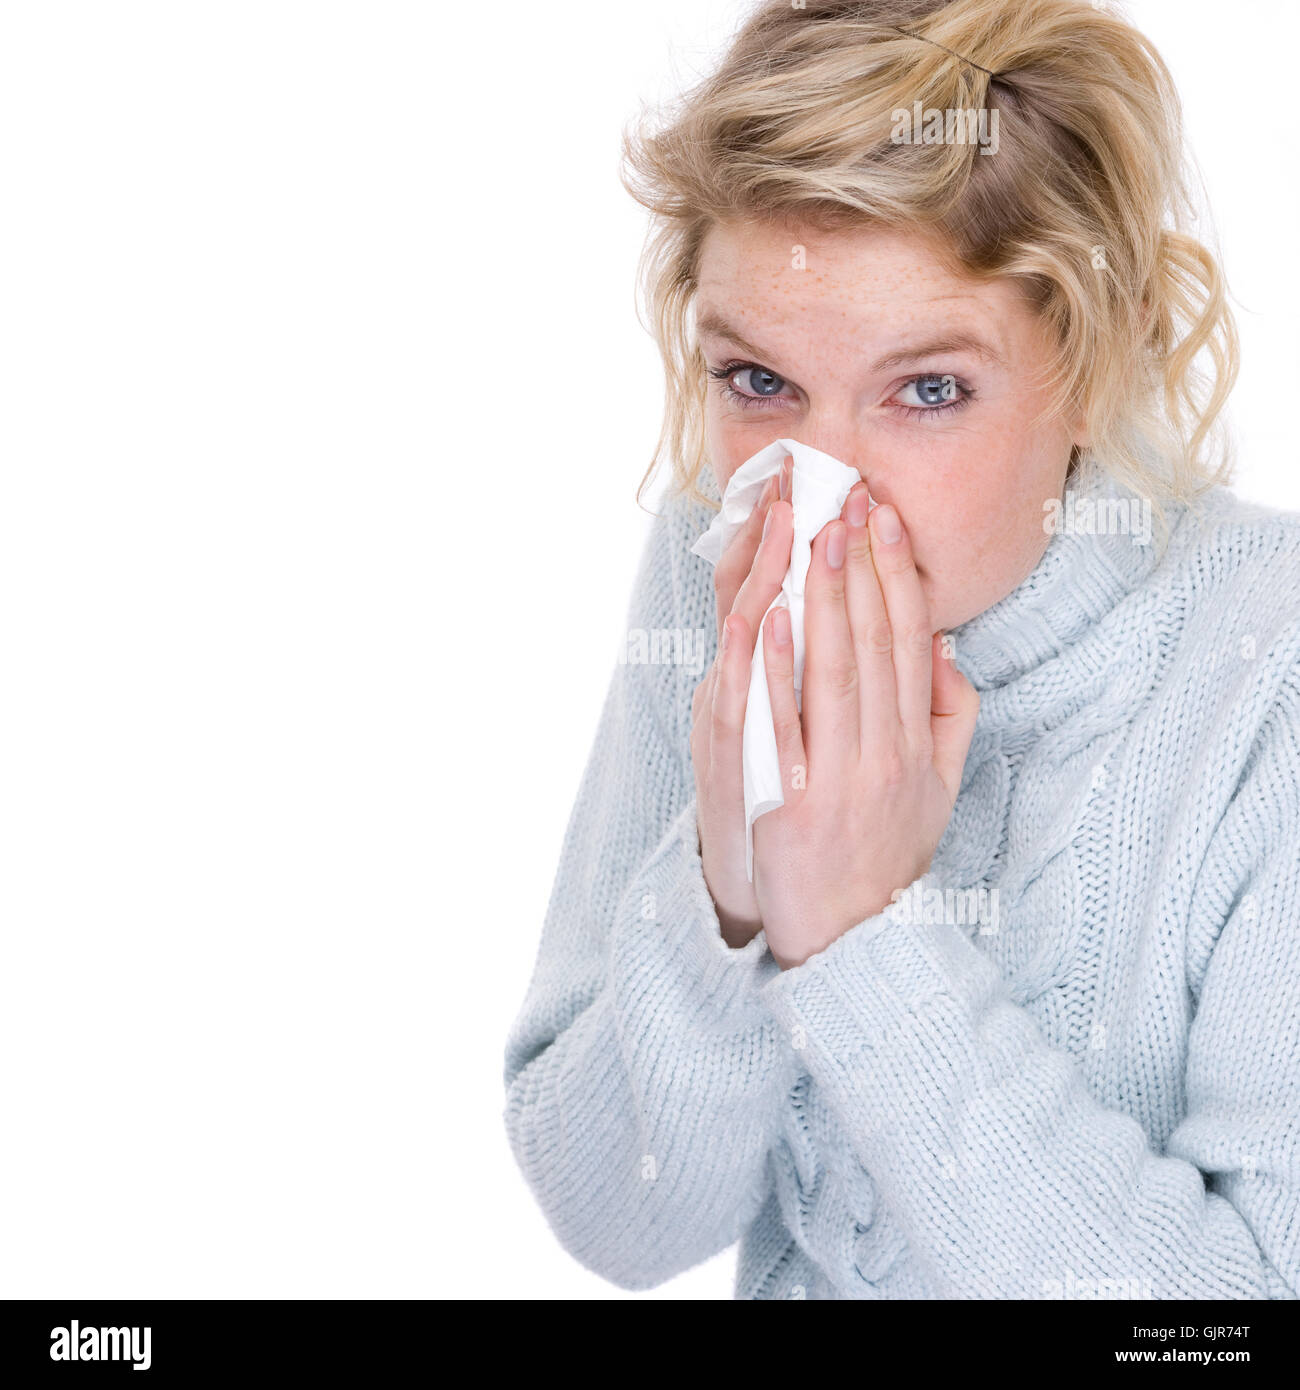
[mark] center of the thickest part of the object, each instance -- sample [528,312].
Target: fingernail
[726,633]
[781,627]
[856,512]
[767,525]
[786,464]
[886,522]
[835,547]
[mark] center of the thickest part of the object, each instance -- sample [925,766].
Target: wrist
[808,937]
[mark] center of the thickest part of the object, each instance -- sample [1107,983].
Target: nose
[844,444]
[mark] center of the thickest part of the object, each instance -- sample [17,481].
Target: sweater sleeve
[643,1073]
[1003,1173]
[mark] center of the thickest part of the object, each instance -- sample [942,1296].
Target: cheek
[973,552]
[720,447]
[973,482]
[729,442]
[975,514]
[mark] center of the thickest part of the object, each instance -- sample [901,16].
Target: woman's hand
[748,577]
[871,771]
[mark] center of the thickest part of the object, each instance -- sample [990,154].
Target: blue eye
[753,387]
[935,393]
[763,384]
[932,390]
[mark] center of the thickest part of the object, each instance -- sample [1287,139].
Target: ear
[1080,434]
[1075,419]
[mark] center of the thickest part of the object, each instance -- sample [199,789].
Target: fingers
[739,556]
[869,626]
[738,560]
[831,684]
[701,715]
[767,574]
[730,696]
[954,707]
[910,633]
[778,657]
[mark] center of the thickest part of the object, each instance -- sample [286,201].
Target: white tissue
[818,488]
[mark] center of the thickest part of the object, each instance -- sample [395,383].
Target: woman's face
[927,383]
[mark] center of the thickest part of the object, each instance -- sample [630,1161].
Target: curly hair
[1086,203]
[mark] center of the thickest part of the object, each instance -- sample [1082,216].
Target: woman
[1056,676]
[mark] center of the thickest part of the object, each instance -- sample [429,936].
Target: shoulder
[1234,568]
[674,588]
[672,616]
[1221,649]
[1237,564]
[1230,582]
[1229,710]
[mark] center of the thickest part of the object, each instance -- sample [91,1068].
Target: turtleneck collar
[1088,567]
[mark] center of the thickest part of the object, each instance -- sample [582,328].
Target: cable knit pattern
[1073,1073]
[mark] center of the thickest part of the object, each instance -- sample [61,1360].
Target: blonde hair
[1084,202]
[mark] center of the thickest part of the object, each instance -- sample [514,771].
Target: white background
[323,402]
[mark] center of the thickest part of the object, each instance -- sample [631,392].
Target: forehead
[776,270]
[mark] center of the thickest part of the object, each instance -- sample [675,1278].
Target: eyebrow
[716,326]
[950,342]
[713,323]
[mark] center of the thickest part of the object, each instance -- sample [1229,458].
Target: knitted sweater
[1070,1069]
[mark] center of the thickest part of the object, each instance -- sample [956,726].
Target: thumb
[954,704]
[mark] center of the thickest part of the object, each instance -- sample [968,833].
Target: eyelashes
[722,375]
[954,392]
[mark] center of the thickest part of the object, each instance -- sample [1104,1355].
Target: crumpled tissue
[819,485]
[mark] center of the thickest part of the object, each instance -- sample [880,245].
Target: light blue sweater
[1081,1082]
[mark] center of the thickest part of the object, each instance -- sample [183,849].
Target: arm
[643,1074]
[1005,1175]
